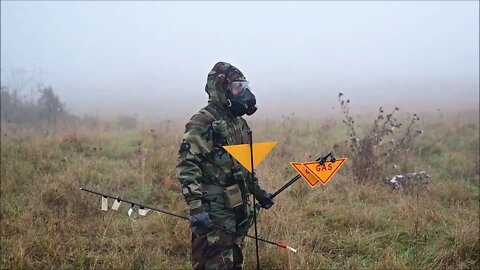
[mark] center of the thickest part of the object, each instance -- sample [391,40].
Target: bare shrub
[127,122]
[383,145]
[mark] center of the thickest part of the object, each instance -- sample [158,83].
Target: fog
[152,58]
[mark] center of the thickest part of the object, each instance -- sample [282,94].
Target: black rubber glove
[199,217]
[265,200]
[201,220]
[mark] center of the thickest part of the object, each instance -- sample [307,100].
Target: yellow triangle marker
[305,173]
[324,172]
[241,152]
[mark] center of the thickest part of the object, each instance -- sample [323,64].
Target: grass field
[48,223]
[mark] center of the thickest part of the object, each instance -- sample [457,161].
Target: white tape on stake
[104,203]
[116,204]
[143,212]
[292,249]
[130,212]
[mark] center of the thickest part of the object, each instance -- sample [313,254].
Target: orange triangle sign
[305,173]
[324,172]
[241,152]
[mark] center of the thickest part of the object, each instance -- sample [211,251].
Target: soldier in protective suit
[215,186]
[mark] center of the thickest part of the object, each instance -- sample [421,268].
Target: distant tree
[6,104]
[127,122]
[49,105]
[21,110]
[15,108]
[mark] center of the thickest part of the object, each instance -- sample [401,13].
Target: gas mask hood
[240,99]
[228,90]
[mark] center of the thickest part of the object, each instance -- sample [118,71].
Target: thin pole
[252,178]
[282,245]
[289,183]
[294,179]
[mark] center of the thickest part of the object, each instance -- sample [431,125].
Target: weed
[384,145]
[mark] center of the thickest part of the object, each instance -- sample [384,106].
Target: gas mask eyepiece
[240,99]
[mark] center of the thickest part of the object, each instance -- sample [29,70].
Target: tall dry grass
[46,222]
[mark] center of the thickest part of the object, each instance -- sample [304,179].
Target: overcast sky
[153,57]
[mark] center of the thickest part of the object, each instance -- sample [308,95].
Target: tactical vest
[224,131]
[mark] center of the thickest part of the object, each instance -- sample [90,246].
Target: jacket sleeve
[196,142]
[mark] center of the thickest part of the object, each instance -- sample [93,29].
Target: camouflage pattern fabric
[218,249]
[202,159]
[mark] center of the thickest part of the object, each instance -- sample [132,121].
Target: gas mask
[240,99]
